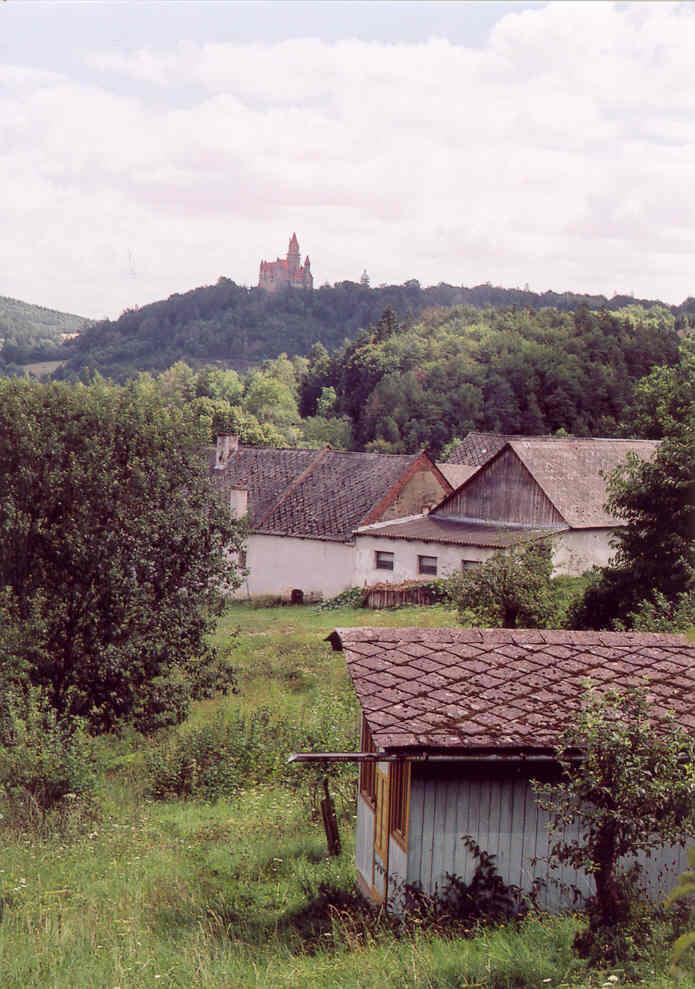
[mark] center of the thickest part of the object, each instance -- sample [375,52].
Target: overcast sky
[147,148]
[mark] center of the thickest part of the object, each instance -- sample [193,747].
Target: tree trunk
[608,899]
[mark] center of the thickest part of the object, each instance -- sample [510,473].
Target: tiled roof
[443,530]
[475,690]
[477,448]
[318,494]
[572,473]
[456,474]
[265,472]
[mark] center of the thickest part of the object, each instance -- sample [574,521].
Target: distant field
[231,894]
[41,369]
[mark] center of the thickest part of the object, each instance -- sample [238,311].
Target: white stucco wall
[574,552]
[578,550]
[405,562]
[279,564]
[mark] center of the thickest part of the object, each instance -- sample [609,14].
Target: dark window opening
[384,561]
[399,799]
[427,564]
[367,769]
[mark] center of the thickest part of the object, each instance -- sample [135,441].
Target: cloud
[560,154]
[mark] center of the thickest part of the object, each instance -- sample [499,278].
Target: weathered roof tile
[517,693]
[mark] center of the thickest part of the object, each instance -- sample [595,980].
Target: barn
[455,725]
[521,489]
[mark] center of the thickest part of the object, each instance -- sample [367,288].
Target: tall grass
[230,894]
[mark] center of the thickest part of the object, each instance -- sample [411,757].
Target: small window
[469,564]
[399,799]
[367,769]
[427,564]
[384,561]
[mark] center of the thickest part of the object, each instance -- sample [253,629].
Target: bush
[47,765]
[513,589]
[353,597]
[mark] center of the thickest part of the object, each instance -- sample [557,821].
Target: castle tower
[293,255]
[289,272]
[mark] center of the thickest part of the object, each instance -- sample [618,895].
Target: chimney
[238,502]
[227,444]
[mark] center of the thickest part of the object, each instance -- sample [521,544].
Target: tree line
[238,326]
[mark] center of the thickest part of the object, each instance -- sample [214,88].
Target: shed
[459,721]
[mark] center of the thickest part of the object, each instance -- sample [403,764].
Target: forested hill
[25,328]
[239,327]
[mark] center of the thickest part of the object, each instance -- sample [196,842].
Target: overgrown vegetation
[237,892]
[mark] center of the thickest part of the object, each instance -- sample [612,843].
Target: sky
[148,148]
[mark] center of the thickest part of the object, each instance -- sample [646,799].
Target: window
[400,798]
[384,561]
[367,785]
[427,564]
[469,564]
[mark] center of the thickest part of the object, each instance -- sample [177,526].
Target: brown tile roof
[475,690]
[318,494]
[265,472]
[572,473]
[440,529]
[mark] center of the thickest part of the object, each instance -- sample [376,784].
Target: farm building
[304,505]
[464,719]
[524,488]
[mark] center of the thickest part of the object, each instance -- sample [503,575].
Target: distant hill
[29,333]
[236,326]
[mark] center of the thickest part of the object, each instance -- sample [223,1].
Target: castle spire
[294,245]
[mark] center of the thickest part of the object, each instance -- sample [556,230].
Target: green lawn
[226,894]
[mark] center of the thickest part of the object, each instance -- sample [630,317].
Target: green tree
[512,589]
[629,784]
[656,548]
[665,399]
[113,551]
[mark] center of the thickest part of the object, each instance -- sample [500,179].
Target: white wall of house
[279,564]
[405,559]
[577,550]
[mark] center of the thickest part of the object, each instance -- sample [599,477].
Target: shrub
[513,589]
[47,765]
[353,597]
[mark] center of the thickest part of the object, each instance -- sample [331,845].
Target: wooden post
[330,822]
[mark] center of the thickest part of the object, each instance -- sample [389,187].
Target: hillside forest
[401,386]
[33,333]
[239,327]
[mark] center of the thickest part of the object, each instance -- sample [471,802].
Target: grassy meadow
[231,893]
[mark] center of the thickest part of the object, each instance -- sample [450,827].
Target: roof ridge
[293,485]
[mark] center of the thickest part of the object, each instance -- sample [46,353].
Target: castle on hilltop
[286,273]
